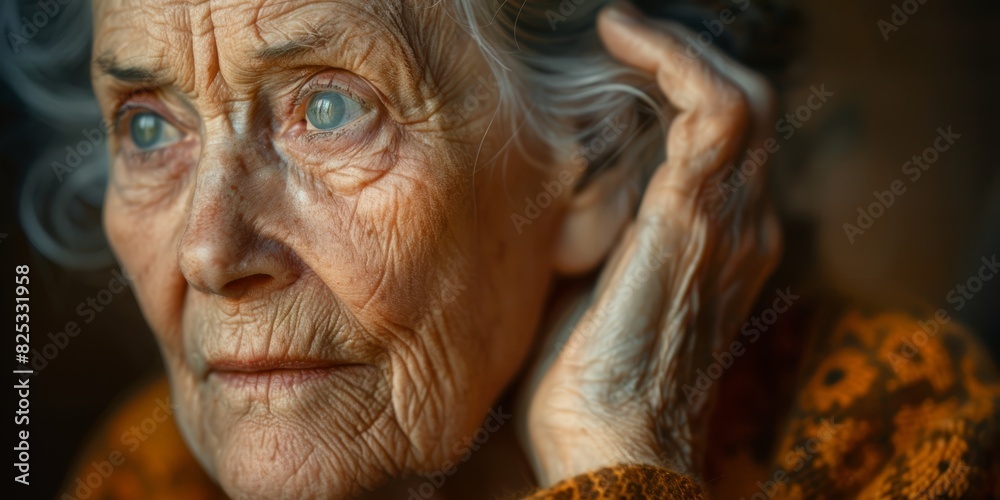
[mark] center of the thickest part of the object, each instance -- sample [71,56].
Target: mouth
[256,375]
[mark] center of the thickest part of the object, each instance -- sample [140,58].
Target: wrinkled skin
[253,237]
[684,274]
[376,268]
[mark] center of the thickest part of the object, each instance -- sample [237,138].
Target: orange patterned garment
[884,405]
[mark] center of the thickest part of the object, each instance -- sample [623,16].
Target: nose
[225,248]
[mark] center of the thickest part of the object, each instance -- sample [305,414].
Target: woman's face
[303,194]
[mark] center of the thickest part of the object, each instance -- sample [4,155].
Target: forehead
[262,20]
[228,36]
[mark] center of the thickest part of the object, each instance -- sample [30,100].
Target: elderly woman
[356,227]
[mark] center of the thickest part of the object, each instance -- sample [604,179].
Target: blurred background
[895,80]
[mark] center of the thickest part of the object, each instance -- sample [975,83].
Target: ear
[595,218]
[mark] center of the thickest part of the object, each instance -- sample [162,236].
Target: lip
[253,365]
[268,374]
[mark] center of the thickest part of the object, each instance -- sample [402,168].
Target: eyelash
[135,154]
[124,108]
[326,83]
[313,86]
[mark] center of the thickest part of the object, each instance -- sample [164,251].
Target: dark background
[940,68]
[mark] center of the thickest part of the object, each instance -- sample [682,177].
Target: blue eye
[332,110]
[150,131]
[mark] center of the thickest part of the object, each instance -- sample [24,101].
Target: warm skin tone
[679,280]
[339,307]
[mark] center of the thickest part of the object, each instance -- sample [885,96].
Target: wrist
[587,445]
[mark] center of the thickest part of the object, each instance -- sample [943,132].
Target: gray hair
[556,84]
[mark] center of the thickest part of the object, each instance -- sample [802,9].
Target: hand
[681,280]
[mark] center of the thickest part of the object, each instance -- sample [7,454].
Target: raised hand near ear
[680,281]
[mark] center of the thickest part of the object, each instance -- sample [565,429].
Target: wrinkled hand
[681,280]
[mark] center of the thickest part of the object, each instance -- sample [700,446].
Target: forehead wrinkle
[157,50]
[405,49]
[272,17]
[447,57]
[311,39]
[209,30]
[285,28]
[377,40]
[204,42]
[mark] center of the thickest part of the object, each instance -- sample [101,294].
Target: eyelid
[341,81]
[125,103]
[125,114]
[310,89]
[128,109]
[148,100]
[329,80]
[125,111]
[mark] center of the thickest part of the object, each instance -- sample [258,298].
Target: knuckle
[727,114]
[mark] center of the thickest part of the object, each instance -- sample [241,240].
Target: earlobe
[595,219]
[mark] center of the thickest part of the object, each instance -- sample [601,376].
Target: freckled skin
[374,246]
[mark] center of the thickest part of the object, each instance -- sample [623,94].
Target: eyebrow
[306,43]
[314,40]
[301,45]
[133,74]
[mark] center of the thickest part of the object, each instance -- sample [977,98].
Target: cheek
[514,253]
[145,246]
[117,224]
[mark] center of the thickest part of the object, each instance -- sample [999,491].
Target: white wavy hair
[555,83]
[559,86]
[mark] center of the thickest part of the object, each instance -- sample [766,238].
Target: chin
[283,461]
[327,435]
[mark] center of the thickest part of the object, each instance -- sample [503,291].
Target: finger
[654,261]
[688,82]
[757,90]
[759,93]
[696,78]
[714,113]
[656,46]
